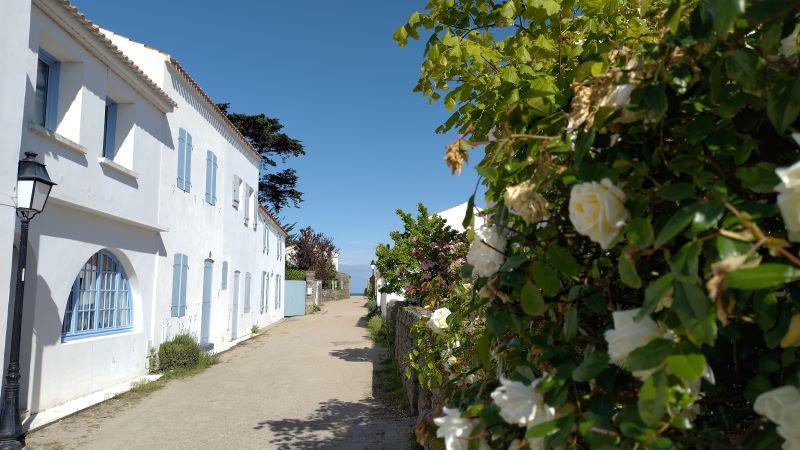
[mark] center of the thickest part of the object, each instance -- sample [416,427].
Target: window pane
[40,99]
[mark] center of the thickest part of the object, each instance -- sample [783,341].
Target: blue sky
[333,76]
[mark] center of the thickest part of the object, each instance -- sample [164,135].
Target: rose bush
[648,292]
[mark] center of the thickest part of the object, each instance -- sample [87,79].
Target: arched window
[100,299]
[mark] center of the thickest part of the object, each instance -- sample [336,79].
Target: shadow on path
[339,425]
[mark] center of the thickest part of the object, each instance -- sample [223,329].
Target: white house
[154,228]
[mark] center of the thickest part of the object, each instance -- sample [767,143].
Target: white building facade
[154,228]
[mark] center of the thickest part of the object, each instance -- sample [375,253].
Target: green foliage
[254,329]
[377,329]
[182,352]
[687,108]
[296,274]
[277,190]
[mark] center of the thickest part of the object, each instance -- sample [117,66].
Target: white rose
[438,320]
[789,199]
[782,407]
[524,201]
[789,44]
[520,404]
[486,253]
[628,335]
[455,430]
[597,210]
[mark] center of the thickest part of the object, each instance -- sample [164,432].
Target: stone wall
[342,290]
[420,399]
[312,291]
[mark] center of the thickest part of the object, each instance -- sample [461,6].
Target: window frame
[120,280]
[178,301]
[51,90]
[110,129]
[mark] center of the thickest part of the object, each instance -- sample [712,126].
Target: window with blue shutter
[180,271]
[225,275]
[263,291]
[247,279]
[211,178]
[46,94]
[237,182]
[110,130]
[184,160]
[264,238]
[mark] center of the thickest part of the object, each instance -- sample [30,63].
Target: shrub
[372,307]
[182,352]
[637,282]
[296,274]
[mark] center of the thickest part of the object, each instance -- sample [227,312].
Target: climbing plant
[637,277]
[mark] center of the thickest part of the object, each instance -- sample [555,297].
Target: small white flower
[455,430]
[628,335]
[789,44]
[486,253]
[782,407]
[438,320]
[789,199]
[597,210]
[520,404]
[526,202]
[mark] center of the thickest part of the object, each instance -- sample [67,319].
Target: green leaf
[685,263]
[627,271]
[687,366]
[514,261]
[591,366]
[783,104]
[707,215]
[677,191]
[532,301]
[562,260]
[509,10]
[467,222]
[654,102]
[551,7]
[656,291]
[759,178]
[653,399]
[570,324]
[640,233]
[680,220]
[541,430]
[546,278]
[650,355]
[725,13]
[769,275]
[497,321]
[485,350]
[696,313]
[743,65]
[765,304]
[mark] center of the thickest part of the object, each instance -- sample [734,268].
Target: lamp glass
[25,193]
[40,194]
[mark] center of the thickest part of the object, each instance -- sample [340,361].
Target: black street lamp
[33,189]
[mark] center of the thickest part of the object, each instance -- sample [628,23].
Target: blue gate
[295,298]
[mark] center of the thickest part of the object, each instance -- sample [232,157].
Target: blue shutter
[109,150]
[214,181]
[176,284]
[184,275]
[247,292]
[224,274]
[188,173]
[181,159]
[209,175]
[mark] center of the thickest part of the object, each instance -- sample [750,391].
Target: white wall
[14,31]
[93,207]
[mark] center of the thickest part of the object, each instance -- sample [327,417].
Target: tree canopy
[276,189]
[314,251]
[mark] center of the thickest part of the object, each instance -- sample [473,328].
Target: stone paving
[306,383]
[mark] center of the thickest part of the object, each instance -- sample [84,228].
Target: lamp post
[33,189]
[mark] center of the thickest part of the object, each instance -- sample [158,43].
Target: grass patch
[315,308]
[389,385]
[377,330]
[254,329]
